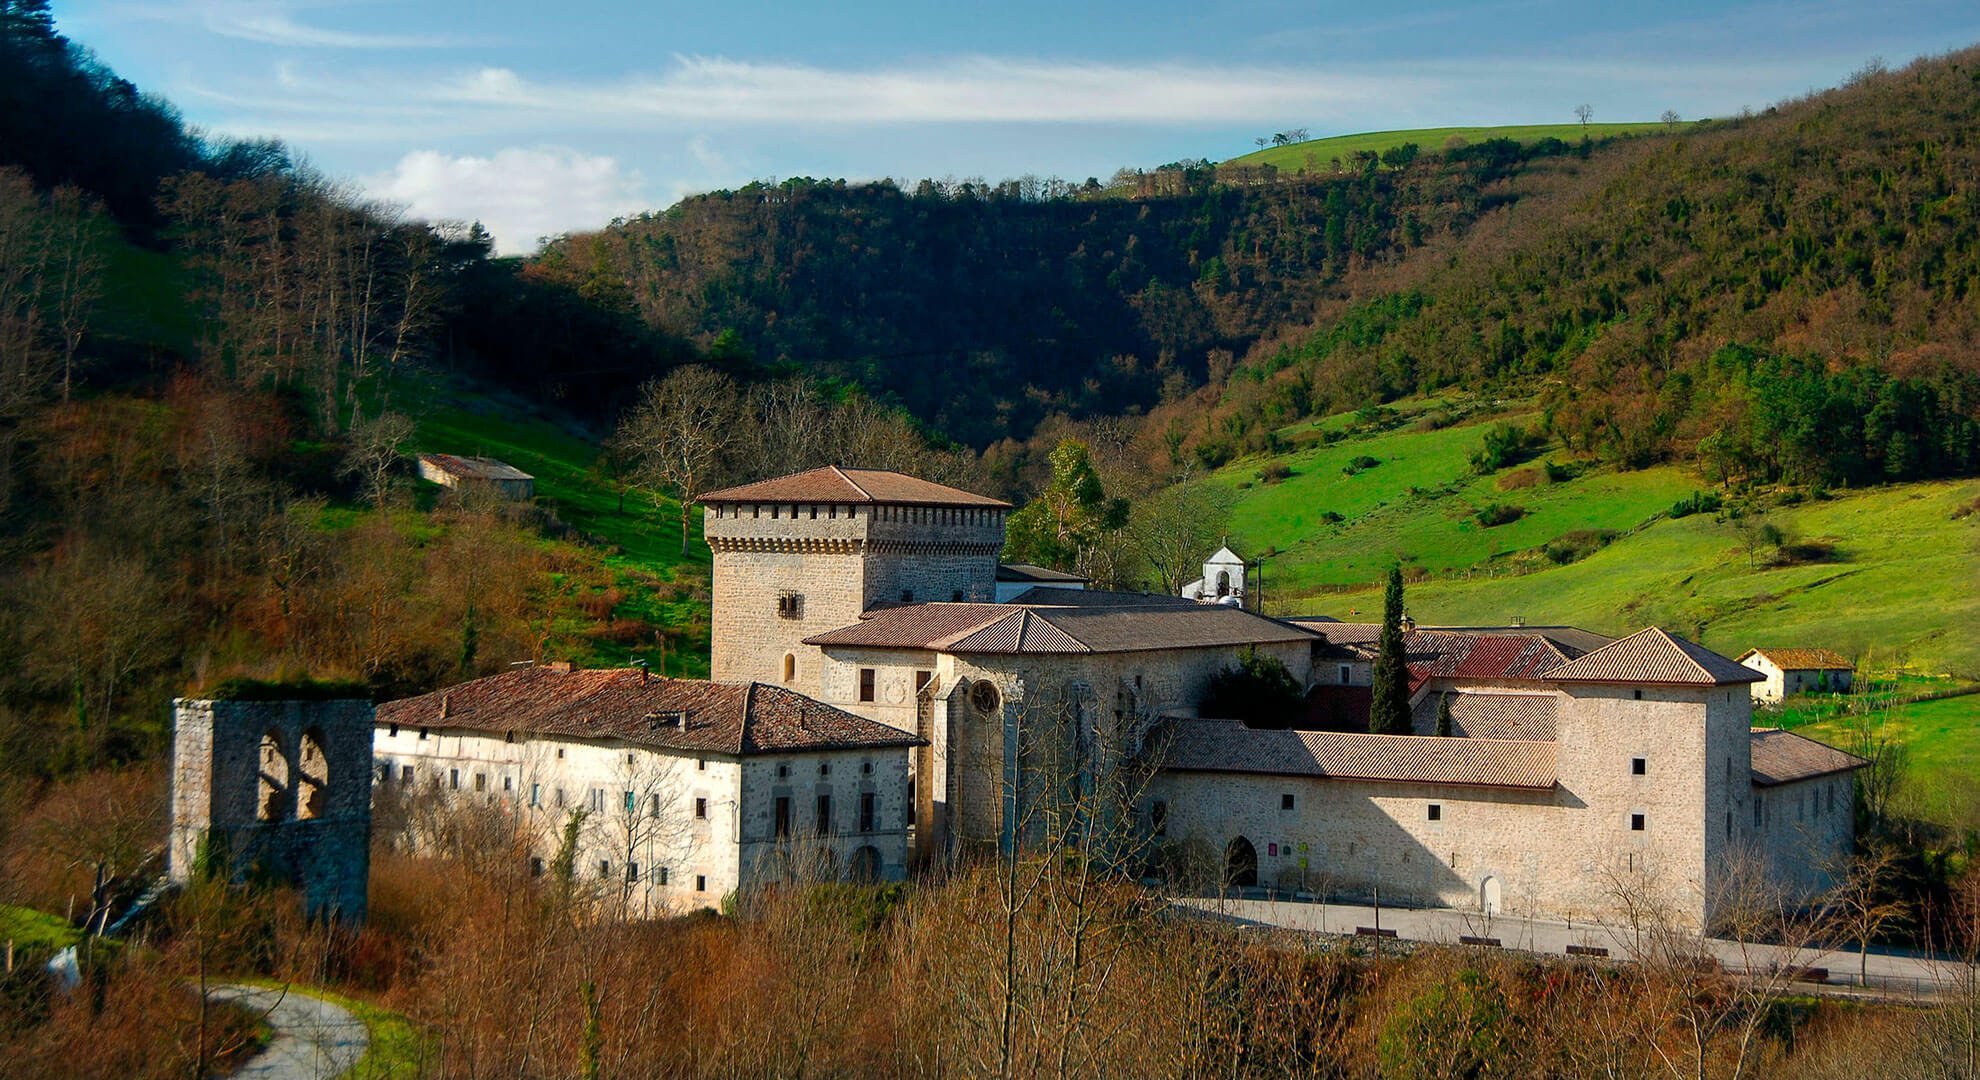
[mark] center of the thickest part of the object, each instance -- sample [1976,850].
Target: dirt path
[314,1040]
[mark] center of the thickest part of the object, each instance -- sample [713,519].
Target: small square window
[824,768]
[1286,801]
[783,771]
[866,768]
[1436,812]
[394,733]
[1637,766]
[700,883]
[956,596]
[907,596]
[422,734]
[1636,823]
[1639,694]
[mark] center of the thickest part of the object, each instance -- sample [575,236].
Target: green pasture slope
[1429,139]
[640,546]
[1901,587]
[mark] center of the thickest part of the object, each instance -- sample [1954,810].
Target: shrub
[1360,463]
[1500,514]
[1505,444]
[1558,473]
[1703,502]
[1331,517]
[1260,692]
[1577,545]
[1276,471]
[1460,1028]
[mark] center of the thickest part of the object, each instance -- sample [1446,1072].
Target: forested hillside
[985,308]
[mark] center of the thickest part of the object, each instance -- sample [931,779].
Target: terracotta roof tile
[1654,656]
[833,484]
[1780,757]
[1009,628]
[1228,746]
[1492,716]
[1802,659]
[626,704]
[476,468]
[1030,572]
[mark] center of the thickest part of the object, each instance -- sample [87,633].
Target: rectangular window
[866,804]
[663,875]
[604,868]
[508,783]
[597,800]
[1347,674]
[535,866]
[701,809]
[907,596]
[1436,812]
[1286,801]
[866,684]
[700,883]
[701,764]
[536,794]
[1636,823]
[921,680]
[560,798]
[394,733]
[824,814]
[632,803]
[454,779]
[481,781]
[1637,766]
[632,872]
[783,816]
[1729,824]
[407,774]
[1759,812]
[653,805]
[790,606]
[1158,818]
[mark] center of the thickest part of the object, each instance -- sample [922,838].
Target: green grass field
[1899,589]
[640,546]
[1942,752]
[31,929]
[1294,157]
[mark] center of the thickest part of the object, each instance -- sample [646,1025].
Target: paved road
[314,1040]
[1884,969]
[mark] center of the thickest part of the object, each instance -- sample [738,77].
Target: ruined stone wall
[281,788]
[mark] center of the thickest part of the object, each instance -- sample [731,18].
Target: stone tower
[275,788]
[810,552]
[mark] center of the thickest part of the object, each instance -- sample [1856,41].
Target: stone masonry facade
[281,788]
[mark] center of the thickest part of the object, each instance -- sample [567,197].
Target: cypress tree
[1389,714]
[1444,729]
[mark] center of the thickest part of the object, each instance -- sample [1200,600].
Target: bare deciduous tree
[1584,113]
[377,446]
[682,431]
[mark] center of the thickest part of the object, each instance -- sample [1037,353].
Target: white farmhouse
[1788,672]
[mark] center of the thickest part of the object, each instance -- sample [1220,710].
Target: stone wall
[280,788]
[837,561]
[843,776]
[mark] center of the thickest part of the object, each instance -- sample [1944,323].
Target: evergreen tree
[1444,729]
[1389,714]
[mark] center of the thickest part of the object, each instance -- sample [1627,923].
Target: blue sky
[544,117]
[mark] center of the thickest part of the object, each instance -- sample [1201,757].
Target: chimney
[1408,624]
[562,667]
[446,706]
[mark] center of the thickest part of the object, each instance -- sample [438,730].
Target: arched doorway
[866,865]
[1241,865]
[1489,899]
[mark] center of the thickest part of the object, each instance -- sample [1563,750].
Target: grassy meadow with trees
[1719,376]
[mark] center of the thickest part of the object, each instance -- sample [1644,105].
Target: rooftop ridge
[856,486]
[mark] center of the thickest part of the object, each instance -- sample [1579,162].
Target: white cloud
[275,22]
[963,90]
[520,194]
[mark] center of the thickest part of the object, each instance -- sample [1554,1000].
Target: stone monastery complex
[884,696]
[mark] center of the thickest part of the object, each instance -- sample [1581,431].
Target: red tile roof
[1802,659]
[1654,656]
[1780,757]
[625,704]
[833,484]
[1450,654]
[475,468]
[1191,745]
[1011,628]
